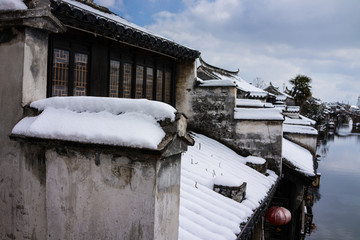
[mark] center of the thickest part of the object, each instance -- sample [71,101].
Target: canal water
[336,208]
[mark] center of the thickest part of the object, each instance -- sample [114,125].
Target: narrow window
[80,74]
[60,77]
[114,78]
[149,83]
[127,80]
[159,85]
[168,87]
[139,81]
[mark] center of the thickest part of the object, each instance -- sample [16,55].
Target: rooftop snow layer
[299,129]
[217,83]
[243,85]
[299,157]
[258,114]
[205,214]
[296,121]
[113,121]
[249,103]
[12,5]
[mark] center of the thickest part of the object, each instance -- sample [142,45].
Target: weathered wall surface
[167,202]
[94,195]
[213,111]
[213,114]
[35,66]
[20,177]
[305,140]
[262,139]
[186,74]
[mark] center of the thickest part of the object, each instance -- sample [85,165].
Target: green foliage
[301,90]
[313,108]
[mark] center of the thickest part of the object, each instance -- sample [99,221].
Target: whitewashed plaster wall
[92,195]
[22,192]
[307,141]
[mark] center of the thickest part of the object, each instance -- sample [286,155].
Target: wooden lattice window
[80,74]
[114,78]
[139,81]
[159,85]
[127,80]
[167,87]
[149,83]
[60,74]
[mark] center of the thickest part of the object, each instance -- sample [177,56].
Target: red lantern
[278,215]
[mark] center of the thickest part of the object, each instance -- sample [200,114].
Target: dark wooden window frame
[114,51]
[72,47]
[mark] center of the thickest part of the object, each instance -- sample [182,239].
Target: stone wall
[260,138]
[21,178]
[94,194]
[186,74]
[211,112]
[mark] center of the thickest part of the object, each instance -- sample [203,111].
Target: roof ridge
[217,69]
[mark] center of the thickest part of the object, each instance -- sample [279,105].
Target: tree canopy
[301,90]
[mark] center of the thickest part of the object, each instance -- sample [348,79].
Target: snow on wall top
[217,83]
[296,121]
[258,114]
[205,214]
[252,103]
[12,5]
[311,121]
[298,156]
[113,121]
[243,85]
[299,129]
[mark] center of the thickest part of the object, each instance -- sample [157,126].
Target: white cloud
[114,4]
[275,40]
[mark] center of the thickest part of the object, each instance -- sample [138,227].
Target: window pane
[159,83]
[114,78]
[139,81]
[149,83]
[127,81]
[80,74]
[60,73]
[168,87]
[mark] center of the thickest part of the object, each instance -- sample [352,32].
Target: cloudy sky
[269,39]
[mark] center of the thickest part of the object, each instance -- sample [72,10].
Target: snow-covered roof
[300,129]
[249,103]
[217,73]
[292,109]
[311,121]
[206,214]
[216,83]
[258,114]
[112,121]
[12,5]
[100,20]
[280,97]
[299,121]
[252,103]
[299,157]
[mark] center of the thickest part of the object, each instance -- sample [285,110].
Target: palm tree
[301,90]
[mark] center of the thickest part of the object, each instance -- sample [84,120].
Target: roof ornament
[217,69]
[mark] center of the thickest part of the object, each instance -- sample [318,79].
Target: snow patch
[120,122]
[12,5]
[258,114]
[298,156]
[204,213]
